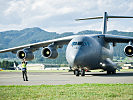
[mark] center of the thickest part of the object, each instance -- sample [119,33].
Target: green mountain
[32,35]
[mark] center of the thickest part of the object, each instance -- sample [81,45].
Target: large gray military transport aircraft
[83,51]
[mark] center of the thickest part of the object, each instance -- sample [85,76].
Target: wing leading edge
[66,40]
[59,41]
[118,39]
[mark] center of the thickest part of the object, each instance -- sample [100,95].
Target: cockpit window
[74,43]
[80,43]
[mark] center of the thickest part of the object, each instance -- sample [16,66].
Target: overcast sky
[58,15]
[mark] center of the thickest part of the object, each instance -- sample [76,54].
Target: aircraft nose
[77,58]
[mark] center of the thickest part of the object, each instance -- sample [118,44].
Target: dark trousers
[24,72]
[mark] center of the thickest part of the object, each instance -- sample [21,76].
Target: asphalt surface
[61,78]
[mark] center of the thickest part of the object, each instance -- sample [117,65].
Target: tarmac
[62,78]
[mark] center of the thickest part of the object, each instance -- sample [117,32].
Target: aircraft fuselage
[89,51]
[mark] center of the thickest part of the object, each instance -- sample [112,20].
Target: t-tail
[105,19]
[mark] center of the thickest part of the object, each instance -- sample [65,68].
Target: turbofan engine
[25,54]
[129,50]
[50,52]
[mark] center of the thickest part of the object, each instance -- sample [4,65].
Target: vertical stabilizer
[105,19]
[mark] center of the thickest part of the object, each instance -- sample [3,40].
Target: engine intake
[50,52]
[129,50]
[25,54]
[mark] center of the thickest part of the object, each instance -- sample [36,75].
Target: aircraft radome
[83,51]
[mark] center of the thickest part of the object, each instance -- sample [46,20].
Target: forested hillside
[32,35]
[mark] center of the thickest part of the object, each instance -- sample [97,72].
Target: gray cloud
[59,15]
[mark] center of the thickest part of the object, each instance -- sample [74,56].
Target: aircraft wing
[59,41]
[117,38]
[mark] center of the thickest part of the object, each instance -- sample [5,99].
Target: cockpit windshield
[80,43]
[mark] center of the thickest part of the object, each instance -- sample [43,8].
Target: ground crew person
[24,70]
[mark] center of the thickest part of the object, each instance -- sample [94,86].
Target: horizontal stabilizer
[89,18]
[102,17]
[119,16]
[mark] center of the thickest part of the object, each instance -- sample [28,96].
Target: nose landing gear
[78,72]
[82,72]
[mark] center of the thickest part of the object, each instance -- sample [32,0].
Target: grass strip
[68,92]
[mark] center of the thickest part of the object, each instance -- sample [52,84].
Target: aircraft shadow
[101,74]
[121,74]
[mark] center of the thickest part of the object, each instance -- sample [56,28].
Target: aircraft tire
[77,72]
[74,72]
[108,72]
[82,72]
[114,72]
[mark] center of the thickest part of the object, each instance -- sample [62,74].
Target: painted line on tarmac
[17,76]
[10,77]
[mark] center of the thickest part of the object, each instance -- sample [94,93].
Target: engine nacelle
[128,50]
[25,54]
[50,52]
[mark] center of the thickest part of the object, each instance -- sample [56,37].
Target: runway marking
[11,77]
[18,76]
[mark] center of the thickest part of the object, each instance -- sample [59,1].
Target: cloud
[59,15]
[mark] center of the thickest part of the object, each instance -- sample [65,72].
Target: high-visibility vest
[23,65]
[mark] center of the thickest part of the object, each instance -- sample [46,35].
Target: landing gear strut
[82,72]
[77,72]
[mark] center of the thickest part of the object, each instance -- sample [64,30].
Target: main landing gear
[111,72]
[78,72]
